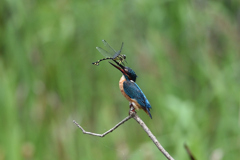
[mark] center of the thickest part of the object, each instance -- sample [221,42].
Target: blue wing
[134,92]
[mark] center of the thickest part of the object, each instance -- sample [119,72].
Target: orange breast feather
[133,101]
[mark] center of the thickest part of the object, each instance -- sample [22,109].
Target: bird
[130,90]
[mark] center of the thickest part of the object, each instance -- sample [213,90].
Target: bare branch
[104,134]
[132,114]
[153,138]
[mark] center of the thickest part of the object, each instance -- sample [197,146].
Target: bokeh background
[186,55]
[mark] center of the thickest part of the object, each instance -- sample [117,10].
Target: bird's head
[128,73]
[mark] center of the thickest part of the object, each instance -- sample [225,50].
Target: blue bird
[131,90]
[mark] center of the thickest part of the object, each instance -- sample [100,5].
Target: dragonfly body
[110,54]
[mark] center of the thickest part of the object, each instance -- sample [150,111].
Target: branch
[153,138]
[104,134]
[132,114]
[189,152]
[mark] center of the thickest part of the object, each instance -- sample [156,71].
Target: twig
[132,114]
[104,134]
[189,152]
[153,138]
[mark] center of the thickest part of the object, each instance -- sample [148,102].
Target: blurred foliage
[186,54]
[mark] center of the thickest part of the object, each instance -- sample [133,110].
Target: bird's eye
[126,70]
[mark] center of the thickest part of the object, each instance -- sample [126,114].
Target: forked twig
[104,134]
[133,115]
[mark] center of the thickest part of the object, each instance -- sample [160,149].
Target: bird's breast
[122,80]
[133,101]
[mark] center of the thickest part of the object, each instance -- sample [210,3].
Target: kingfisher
[130,90]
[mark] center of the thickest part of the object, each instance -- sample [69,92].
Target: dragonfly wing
[103,52]
[118,52]
[109,48]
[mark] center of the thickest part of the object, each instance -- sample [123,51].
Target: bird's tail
[147,110]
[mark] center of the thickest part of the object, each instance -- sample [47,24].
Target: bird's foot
[130,105]
[132,109]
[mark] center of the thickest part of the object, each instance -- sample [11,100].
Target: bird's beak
[120,67]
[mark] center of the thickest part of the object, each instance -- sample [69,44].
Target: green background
[186,55]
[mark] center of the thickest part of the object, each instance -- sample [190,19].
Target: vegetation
[186,55]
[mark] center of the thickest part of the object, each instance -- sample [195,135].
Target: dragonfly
[110,54]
